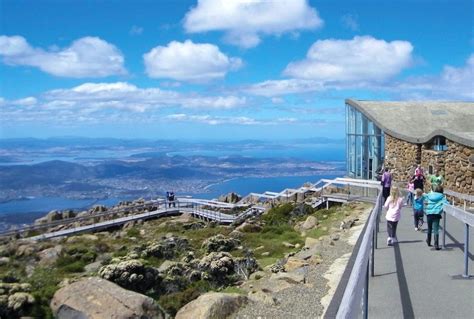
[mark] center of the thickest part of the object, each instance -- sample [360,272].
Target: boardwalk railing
[355,298]
[468,220]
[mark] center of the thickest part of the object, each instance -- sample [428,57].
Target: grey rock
[96,298]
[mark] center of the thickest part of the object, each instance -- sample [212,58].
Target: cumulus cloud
[363,58]
[246,21]
[86,57]
[452,83]
[188,61]
[94,102]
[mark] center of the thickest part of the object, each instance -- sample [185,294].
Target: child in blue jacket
[418,208]
[435,201]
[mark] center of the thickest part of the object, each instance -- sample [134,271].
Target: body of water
[313,152]
[27,210]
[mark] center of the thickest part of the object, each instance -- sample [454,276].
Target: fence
[355,298]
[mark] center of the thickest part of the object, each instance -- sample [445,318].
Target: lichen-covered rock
[96,298]
[131,274]
[212,305]
[309,223]
[220,243]
[166,248]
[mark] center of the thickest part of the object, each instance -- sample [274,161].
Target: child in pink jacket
[394,203]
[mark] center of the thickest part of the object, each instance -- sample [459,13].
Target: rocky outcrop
[15,300]
[131,274]
[212,305]
[49,256]
[217,266]
[230,198]
[96,298]
[220,243]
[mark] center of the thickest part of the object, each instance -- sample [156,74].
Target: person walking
[394,205]
[386,184]
[436,180]
[419,180]
[418,209]
[434,208]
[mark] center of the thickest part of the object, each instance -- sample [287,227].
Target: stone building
[400,135]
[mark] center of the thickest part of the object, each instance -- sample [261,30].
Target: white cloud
[86,57]
[452,83]
[363,58]
[188,61]
[228,120]
[246,21]
[272,88]
[135,30]
[350,22]
[121,101]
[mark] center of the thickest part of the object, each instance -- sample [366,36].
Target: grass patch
[44,283]
[133,232]
[174,301]
[234,290]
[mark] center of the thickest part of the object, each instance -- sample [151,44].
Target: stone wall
[400,157]
[456,164]
[459,168]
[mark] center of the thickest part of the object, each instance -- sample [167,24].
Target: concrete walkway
[413,280]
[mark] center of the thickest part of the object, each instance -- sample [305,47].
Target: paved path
[413,281]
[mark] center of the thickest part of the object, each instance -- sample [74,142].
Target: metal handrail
[356,291]
[468,220]
[467,197]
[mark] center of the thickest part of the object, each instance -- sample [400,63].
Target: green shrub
[278,215]
[174,301]
[44,283]
[133,232]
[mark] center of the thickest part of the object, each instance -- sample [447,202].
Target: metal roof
[420,121]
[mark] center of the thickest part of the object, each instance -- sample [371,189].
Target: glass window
[439,143]
[364,145]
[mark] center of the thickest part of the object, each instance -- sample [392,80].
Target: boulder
[294,263]
[220,243]
[49,256]
[262,297]
[212,305]
[15,300]
[96,298]
[309,223]
[310,242]
[230,198]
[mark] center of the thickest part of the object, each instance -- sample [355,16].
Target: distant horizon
[58,137]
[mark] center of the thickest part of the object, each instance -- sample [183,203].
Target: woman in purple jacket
[386,184]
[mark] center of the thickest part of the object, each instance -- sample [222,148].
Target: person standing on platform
[386,184]
[410,191]
[435,201]
[419,180]
[394,204]
[436,180]
[418,209]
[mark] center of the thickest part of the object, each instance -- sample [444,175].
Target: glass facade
[364,145]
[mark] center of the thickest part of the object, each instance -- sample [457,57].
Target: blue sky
[223,69]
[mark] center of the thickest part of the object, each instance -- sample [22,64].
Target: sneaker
[389,241]
[394,240]
[420,223]
[416,228]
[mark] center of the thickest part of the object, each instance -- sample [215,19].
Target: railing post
[444,230]
[366,293]
[466,252]
[372,259]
